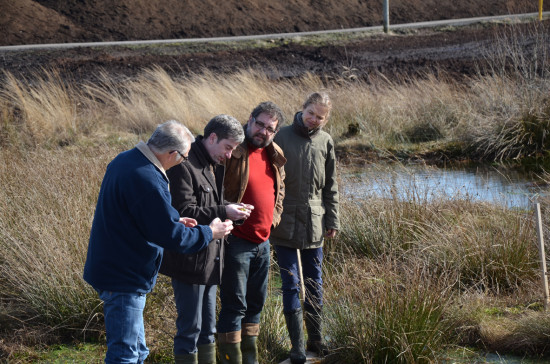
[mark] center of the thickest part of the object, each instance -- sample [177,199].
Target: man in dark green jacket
[310,213]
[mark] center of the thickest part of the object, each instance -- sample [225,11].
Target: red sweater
[260,192]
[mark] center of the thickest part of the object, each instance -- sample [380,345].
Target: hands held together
[234,212]
[238,211]
[219,228]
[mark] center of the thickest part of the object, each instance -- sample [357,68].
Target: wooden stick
[542,259]
[301,277]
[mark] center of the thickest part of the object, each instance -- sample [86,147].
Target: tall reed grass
[384,311]
[43,112]
[510,104]
[47,202]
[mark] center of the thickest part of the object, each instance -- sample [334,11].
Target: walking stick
[301,277]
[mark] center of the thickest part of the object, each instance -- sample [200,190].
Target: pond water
[425,183]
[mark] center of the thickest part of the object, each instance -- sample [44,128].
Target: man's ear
[212,138]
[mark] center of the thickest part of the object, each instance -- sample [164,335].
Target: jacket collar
[202,157]
[202,153]
[301,129]
[148,153]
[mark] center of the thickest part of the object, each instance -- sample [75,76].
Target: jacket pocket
[206,192]
[317,223]
[285,229]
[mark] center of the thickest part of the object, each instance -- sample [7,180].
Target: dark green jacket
[310,206]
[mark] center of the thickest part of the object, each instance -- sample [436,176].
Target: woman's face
[314,116]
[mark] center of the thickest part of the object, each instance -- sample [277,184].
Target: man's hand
[220,229]
[331,233]
[239,211]
[188,222]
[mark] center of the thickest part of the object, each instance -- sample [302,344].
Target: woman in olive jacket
[310,213]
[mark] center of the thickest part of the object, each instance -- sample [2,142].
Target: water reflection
[425,183]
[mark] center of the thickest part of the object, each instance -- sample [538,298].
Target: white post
[386,11]
[542,259]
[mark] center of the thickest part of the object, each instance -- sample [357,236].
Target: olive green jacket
[310,206]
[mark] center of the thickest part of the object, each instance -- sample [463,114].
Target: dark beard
[257,144]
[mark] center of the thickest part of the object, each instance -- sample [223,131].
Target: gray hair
[271,109]
[225,127]
[170,136]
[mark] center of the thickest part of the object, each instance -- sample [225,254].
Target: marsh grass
[511,103]
[47,202]
[48,108]
[397,312]
[273,342]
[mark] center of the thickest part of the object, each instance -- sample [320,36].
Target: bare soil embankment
[55,21]
[453,51]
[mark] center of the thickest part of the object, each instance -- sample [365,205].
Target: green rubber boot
[315,341]
[249,349]
[207,353]
[229,347]
[295,325]
[249,343]
[185,358]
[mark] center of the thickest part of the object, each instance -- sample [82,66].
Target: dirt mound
[60,21]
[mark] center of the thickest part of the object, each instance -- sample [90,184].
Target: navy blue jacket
[133,223]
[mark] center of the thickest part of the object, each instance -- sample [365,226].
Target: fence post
[386,11]
[540,9]
[542,258]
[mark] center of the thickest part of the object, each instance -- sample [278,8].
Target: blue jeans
[244,284]
[312,260]
[124,327]
[196,322]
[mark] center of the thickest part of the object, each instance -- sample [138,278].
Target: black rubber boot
[295,326]
[314,337]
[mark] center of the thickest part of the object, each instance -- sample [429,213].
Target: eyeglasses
[262,126]
[185,158]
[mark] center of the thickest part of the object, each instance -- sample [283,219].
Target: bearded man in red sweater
[254,177]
